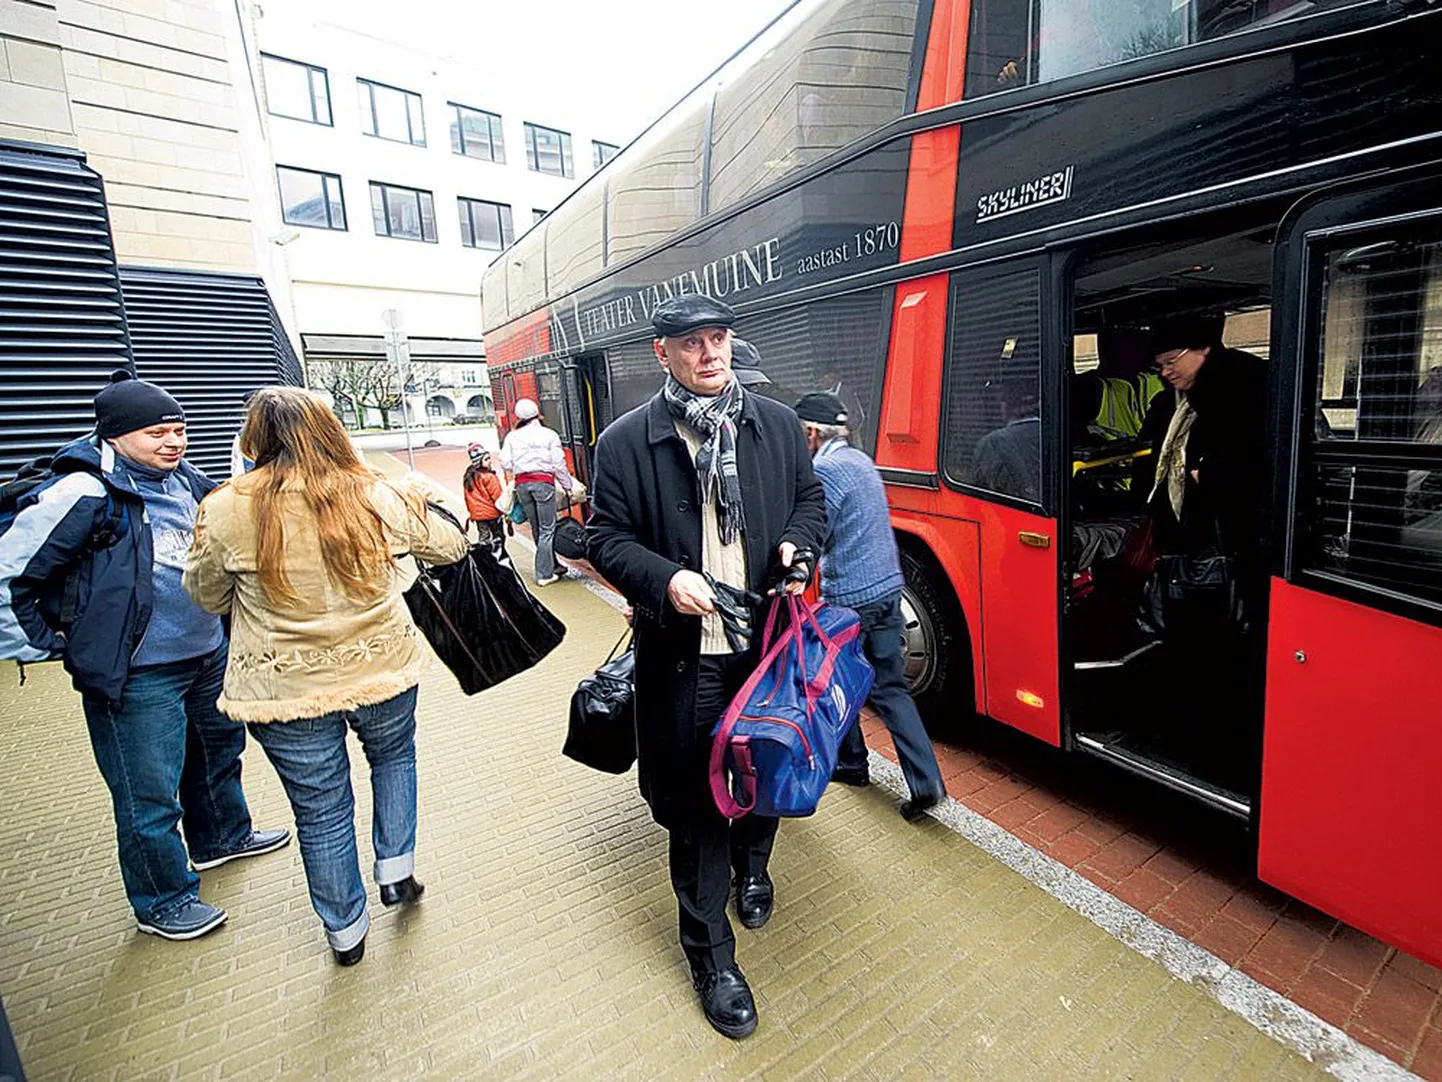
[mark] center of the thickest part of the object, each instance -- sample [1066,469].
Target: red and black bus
[920,204]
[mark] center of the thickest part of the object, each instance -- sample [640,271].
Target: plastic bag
[481,620]
[507,499]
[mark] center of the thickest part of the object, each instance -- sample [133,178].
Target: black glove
[799,571]
[734,606]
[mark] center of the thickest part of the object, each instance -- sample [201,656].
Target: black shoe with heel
[407,892]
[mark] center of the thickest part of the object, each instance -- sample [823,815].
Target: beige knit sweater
[330,652]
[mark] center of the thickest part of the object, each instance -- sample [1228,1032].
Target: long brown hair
[290,434]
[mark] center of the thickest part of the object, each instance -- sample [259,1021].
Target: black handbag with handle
[602,729]
[569,540]
[1191,592]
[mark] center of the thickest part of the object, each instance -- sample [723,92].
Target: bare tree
[359,383]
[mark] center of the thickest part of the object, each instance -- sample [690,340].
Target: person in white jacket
[532,457]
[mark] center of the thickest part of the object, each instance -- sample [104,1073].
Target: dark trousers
[706,853]
[881,640]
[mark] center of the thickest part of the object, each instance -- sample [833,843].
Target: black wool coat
[646,525]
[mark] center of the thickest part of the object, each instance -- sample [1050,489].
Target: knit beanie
[128,404]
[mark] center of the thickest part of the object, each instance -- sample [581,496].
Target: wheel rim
[918,643]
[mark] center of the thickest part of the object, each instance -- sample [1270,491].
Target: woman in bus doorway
[533,458]
[302,553]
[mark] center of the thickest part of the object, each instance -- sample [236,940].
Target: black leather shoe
[726,999]
[352,956]
[847,776]
[755,897]
[406,892]
[915,808]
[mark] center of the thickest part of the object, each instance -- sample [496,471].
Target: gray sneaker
[255,843]
[189,921]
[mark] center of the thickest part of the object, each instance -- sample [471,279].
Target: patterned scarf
[1172,461]
[715,420]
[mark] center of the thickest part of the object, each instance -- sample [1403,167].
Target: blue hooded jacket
[54,531]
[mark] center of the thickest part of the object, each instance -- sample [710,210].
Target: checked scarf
[715,420]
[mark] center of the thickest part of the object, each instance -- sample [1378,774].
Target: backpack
[37,474]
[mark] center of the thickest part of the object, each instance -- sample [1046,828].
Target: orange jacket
[481,495]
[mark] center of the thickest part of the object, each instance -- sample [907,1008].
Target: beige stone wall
[34,106]
[144,88]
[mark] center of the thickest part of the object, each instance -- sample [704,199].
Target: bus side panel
[957,547]
[909,414]
[1351,809]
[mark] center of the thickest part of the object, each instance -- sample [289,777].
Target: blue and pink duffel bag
[774,749]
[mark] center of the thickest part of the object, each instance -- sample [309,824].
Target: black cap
[821,408]
[128,404]
[1187,332]
[746,364]
[677,315]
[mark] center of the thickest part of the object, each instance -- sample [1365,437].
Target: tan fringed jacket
[331,652]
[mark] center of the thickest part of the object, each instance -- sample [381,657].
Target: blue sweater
[179,628]
[861,564]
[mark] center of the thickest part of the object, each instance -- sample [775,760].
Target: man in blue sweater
[862,570]
[90,572]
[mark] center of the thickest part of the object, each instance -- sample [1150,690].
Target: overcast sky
[614,65]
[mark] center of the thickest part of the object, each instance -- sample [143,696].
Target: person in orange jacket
[483,487]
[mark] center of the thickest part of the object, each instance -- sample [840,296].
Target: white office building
[393,177]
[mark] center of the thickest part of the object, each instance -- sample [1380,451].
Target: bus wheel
[935,645]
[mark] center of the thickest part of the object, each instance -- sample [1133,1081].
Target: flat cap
[746,364]
[821,408]
[677,315]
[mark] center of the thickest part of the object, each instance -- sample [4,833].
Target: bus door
[1351,805]
[999,467]
[506,403]
[582,421]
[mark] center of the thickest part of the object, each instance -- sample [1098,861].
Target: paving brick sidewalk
[545,946]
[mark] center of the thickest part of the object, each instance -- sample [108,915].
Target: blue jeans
[538,501]
[310,757]
[168,738]
[881,641]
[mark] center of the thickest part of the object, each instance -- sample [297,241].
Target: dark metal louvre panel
[62,320]
[207,338]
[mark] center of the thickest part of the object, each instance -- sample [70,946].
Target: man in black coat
[705,478]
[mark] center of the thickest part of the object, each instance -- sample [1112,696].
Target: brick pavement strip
[545,947]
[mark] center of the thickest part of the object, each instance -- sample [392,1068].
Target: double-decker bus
[963,217]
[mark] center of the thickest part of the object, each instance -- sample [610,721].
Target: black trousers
[706,852]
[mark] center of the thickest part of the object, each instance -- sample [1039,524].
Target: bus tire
[936,646]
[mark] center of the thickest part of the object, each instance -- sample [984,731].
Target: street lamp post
[398,352]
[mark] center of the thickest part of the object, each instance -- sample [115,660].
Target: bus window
[1018,42]
[655,187]
[992,439]
[836,345]
[832,79]
[1376,505]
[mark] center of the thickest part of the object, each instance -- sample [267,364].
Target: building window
[601,153]
[548,151]
[310,198]
[477,134]
[296,90]
[389,113]
[407,213]
[537,214]
[485,225]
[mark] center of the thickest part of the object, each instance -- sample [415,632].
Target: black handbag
[602,729]
[569,540]
[481,620]
[1191,593]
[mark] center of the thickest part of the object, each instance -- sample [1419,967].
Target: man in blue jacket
[862,570]
[90,572]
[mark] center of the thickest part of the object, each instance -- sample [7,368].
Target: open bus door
[1351,805]
[582,422]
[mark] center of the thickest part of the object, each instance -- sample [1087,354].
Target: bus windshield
[1020,42]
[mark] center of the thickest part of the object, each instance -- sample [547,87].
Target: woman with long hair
[302,553]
